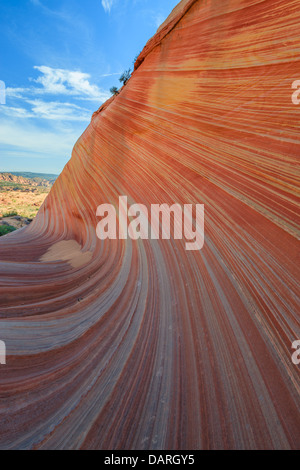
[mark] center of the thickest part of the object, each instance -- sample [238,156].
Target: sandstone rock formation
[128,344]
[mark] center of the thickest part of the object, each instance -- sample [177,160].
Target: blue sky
[58,60]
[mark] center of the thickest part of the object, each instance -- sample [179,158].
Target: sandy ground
[67,250]
[18,208]
[24,203]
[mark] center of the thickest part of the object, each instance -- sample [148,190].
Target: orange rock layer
[128,344]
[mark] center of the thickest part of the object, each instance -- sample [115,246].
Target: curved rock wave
[123,344]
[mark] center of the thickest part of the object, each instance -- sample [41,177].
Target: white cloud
[16,112]
[68,82]
[110,74]
[26,102]
[22,93]
[16,92]
[59,111]
[52,110]
[45,119]
[107,4]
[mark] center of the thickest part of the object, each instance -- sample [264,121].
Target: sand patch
[67,250]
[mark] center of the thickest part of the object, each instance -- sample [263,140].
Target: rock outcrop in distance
[123,344]
[28,179]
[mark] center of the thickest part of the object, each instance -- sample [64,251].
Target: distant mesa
[34,179]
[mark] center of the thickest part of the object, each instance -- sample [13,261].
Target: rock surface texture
[127,344]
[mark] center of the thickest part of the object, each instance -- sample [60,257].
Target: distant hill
[27,178]
[46,176]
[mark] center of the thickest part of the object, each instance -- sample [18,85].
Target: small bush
[125,76]
[114,90]
[10,214]
[135,59]
[5,229]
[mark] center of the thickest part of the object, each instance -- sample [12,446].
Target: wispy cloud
[51,110]
[54,83]
[110,74]
[16,92]
[57,13]
[68,82]
[16,112]
[46,117]
[43,100]
[59,111]
[158,20]
[107,4]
